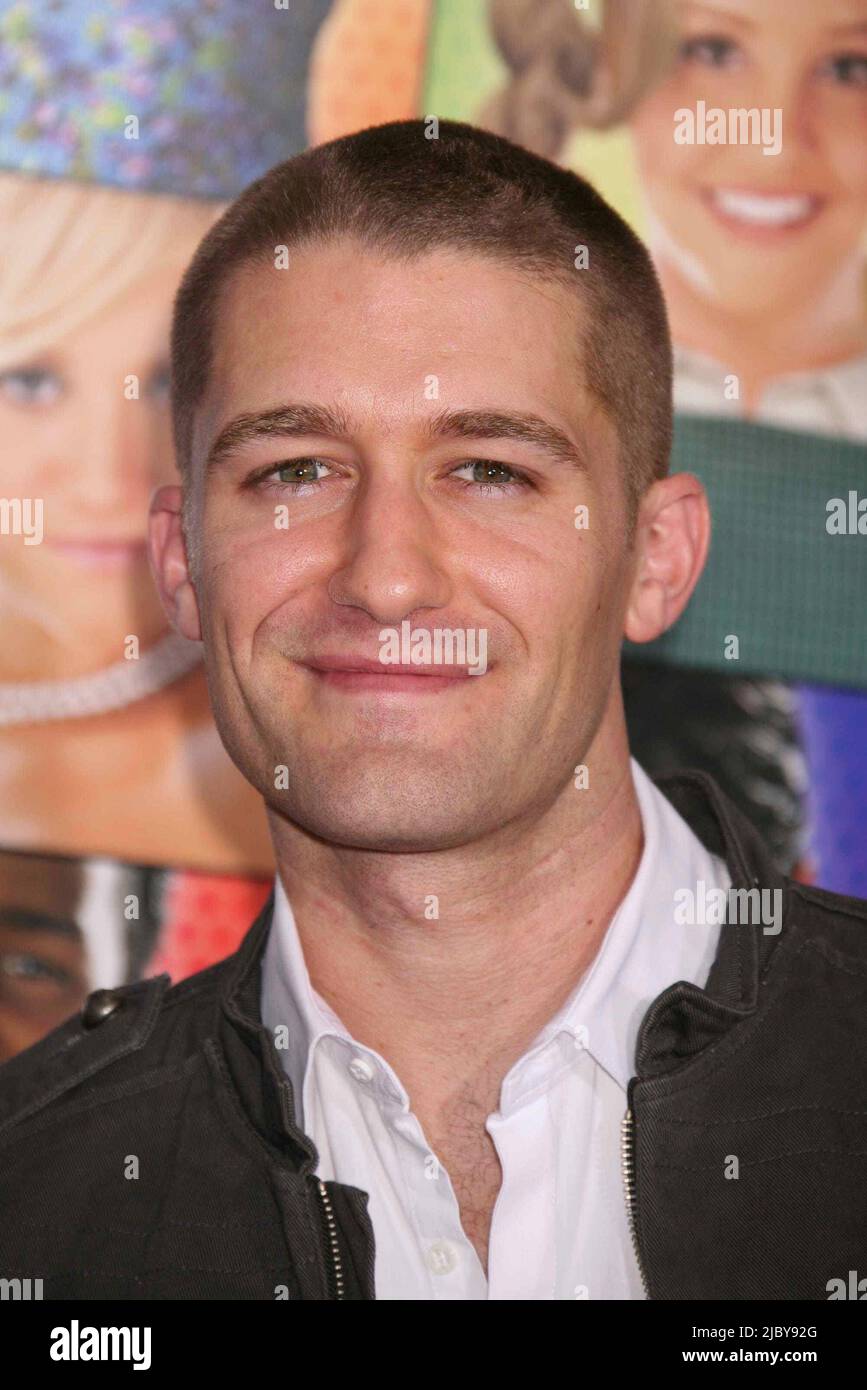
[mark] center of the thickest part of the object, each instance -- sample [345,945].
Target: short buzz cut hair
[411,187]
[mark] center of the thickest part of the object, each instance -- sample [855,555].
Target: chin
[390,828]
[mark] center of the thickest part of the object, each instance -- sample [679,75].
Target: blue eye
[30,385]
[160,383]
[710,50]
[486,483]
[848,69]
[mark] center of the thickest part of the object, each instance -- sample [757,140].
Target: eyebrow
[747,22]
[717,12]
[292,421]
[26,919]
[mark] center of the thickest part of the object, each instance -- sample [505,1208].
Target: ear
[169,562]
[672,539]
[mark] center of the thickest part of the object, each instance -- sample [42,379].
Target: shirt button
[441,1257]
[361,1069]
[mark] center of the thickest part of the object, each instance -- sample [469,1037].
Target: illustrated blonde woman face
[86,292]
[747,230]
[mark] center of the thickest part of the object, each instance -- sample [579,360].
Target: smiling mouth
[762,212]
[370,676]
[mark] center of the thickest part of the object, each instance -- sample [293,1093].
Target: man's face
[311,544]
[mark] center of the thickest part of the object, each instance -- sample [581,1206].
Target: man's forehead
[252,371]
[342,274]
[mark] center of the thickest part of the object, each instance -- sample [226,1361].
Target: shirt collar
[642,953]
[831,398]
[293,1012]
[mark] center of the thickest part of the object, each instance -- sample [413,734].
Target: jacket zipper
[336,1266]
[627,1149]
[627,1138]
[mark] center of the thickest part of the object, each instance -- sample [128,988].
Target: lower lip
[401,684]
[100,557]
[759,231]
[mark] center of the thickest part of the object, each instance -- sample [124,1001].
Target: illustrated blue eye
[160,383]
[848,69]
[30,385]
[711,50]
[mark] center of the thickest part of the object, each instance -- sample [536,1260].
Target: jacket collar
[680,1022]
[684,1019]
[249,1050]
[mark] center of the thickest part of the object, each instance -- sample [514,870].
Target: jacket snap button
[99,1006]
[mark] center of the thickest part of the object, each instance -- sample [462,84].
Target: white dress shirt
[828,400]
[559,1228]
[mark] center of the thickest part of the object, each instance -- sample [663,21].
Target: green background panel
[794,595]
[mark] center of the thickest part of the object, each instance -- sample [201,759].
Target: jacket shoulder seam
[833,904]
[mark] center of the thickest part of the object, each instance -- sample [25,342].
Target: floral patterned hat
[196,99]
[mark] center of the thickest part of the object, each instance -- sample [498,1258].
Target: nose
[394,553]
[787,89]
[803,120]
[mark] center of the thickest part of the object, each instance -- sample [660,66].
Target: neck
[521,917]
[822,328]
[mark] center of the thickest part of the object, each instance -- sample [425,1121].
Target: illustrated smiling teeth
[764,209]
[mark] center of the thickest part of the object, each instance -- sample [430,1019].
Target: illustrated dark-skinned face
[43,958]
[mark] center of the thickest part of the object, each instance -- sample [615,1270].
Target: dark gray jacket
[148,1147]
